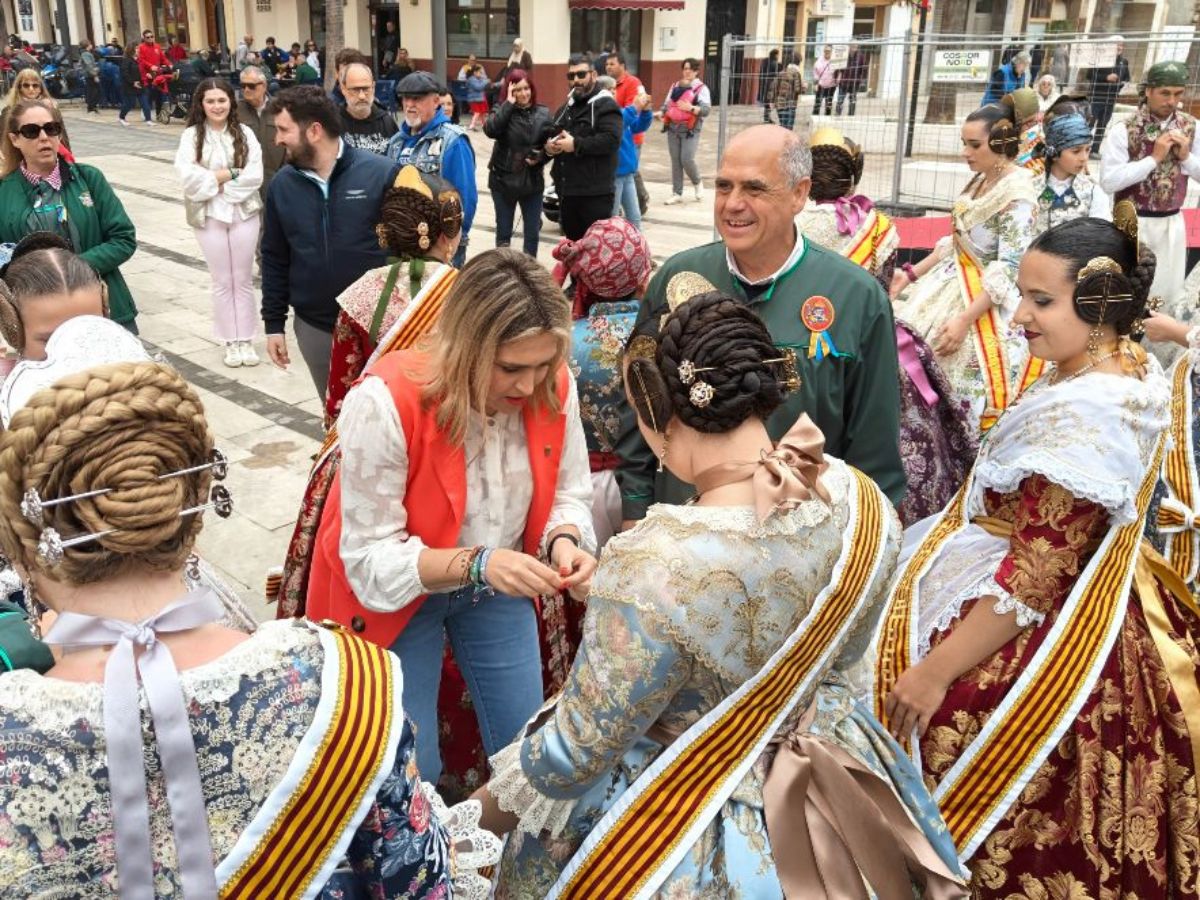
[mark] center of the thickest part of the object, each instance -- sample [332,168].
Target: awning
[625,4]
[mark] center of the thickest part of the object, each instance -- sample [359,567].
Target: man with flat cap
[1148,159]
[430,141]
[830,313]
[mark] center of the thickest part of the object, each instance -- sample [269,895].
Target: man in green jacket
[832,313]
[75,201]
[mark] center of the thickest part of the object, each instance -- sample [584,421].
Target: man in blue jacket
[1006,79]
[318,227]
[430,141]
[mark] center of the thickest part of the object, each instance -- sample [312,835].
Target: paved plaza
[267,421]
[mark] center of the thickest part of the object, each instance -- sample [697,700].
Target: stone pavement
[267,421]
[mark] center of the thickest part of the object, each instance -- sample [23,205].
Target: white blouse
[380,555]
[224,201]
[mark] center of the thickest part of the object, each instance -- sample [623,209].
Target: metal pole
[438,11]
[901,125]
[916,79]
[723,120]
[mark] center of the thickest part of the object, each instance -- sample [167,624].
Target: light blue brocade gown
[685,608]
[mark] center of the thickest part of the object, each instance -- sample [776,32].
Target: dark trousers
[578,214]
[129,98]
[847,92]
[91,93]
[1102,110]
[825,94]
[787,117]
[531,220]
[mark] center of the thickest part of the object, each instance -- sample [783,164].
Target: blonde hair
[500,296]
[119,427]
[13,97]
[11,155]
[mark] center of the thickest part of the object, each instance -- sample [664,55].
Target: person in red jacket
[151,59]
[462,507]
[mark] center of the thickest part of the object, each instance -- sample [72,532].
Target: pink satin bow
[850,212]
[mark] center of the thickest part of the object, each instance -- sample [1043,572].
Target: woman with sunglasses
[41,191]
[28,85]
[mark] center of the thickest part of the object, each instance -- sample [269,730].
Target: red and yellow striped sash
[986,334]
[637,846]
[862,252]
[296,845]
[1176,515]
[1016,739]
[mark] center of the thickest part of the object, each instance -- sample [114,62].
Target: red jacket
[149,56]
[435,497]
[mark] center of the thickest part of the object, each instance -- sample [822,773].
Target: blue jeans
[148,94]
[531,220]
[495,643]
[626,196]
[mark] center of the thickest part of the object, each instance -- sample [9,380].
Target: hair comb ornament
[683,286]
[423,231]
[643,347]
[791,375]
[1125,218]
[410,177]
[701,394]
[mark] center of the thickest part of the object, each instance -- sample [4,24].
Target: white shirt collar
[793,258]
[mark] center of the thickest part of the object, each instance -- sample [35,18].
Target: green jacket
[106,235]
[854,398]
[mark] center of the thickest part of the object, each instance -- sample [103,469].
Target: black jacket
[518,133]
[1100,89]
[596,124]
[314,247]
[371,133]
[131,75]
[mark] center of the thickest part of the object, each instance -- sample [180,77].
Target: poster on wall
[962,65]
[25,11]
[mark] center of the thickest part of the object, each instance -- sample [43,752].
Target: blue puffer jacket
[635,123]
[1003,81]
[316,243]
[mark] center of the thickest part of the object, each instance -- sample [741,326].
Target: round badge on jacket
[817,314]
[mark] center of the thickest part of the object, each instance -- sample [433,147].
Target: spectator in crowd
[1007,78]
[428,140]
[449,107]
[600,61]
[365,124]
[272,56]
[402,66]
[686,107]
[629,86]
[110,79]
[344,57]
[303,71]
[131,82]
[252,113]
[465,70]
[517,59]
[518,126]
[205,64]
[39,191]
[1060,63]
[313,56]
[637,117]
[151,61]
[28,85]
[388,45]
[306,265]
[851,79]
[477,86]
[766,82]
[1037,59]
[176,51]
[585,141]
[91,75]
[786,91]
[219,162]
[1103,87]
[825,78]
[1048,92]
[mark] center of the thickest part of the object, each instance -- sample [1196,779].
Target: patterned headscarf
[1064,132]
[610,262]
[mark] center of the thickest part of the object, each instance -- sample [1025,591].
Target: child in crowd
[477,86]
[1070,192]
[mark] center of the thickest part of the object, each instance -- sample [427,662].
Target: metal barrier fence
[916,92]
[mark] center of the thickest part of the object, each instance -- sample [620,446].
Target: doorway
[385,37]
[724,17]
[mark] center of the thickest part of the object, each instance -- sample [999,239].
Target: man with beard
[428,140]
[318,227]
[365,124]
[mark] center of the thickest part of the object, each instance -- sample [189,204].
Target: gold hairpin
[642,347]
[791,376]
[1125,218]
[1098,265]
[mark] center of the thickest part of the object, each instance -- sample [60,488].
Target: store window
[170,19]
[591,29]
[486,28]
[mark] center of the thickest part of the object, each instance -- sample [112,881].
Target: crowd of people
[786,567]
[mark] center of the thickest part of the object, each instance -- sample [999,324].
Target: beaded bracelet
[472,559]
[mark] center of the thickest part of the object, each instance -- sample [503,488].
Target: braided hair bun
[716,333]
[1003,136]
[412,220]
[117,426]
[836,170]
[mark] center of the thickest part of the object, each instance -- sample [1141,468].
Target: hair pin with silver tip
[688,371]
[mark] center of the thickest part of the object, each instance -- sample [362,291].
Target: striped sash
[1177,519]
[987,335]
[1043,702]
[300,834]
[862,251]
[638,843]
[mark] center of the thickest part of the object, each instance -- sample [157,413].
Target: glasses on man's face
[31,130]
[252,85]
[580,75]
[358,90]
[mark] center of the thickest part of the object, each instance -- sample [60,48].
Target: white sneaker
[699,191]
[249,357]
[124,124]
[151,123]
[673,199]
[233,356]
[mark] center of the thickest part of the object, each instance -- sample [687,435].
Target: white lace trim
[472,846]
[1115,496]
[984,586]
[514,794]
[1026,616]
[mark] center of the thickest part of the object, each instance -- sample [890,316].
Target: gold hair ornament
[787,362]
[1125,218]
[410,177]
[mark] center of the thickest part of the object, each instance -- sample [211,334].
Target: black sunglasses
[578,76]
[31,130]
[246,85]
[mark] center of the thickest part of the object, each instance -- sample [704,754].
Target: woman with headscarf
[519,58]
[1070,192]
[1029,126]
[1048,92]
[609,268]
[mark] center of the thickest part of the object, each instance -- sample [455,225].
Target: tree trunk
[942,106]
[130,21]
[335,37]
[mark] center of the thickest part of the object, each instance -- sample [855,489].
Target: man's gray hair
[350,65]
[796,161]
[1023,57]
[255,70]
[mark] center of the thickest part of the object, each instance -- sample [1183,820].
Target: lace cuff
[985,586]
[1006,603]
[998,282]
[1193,337]
[514,794]
[943,248]
[471,847]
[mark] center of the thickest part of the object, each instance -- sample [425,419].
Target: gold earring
[1093,345]
[662,454]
